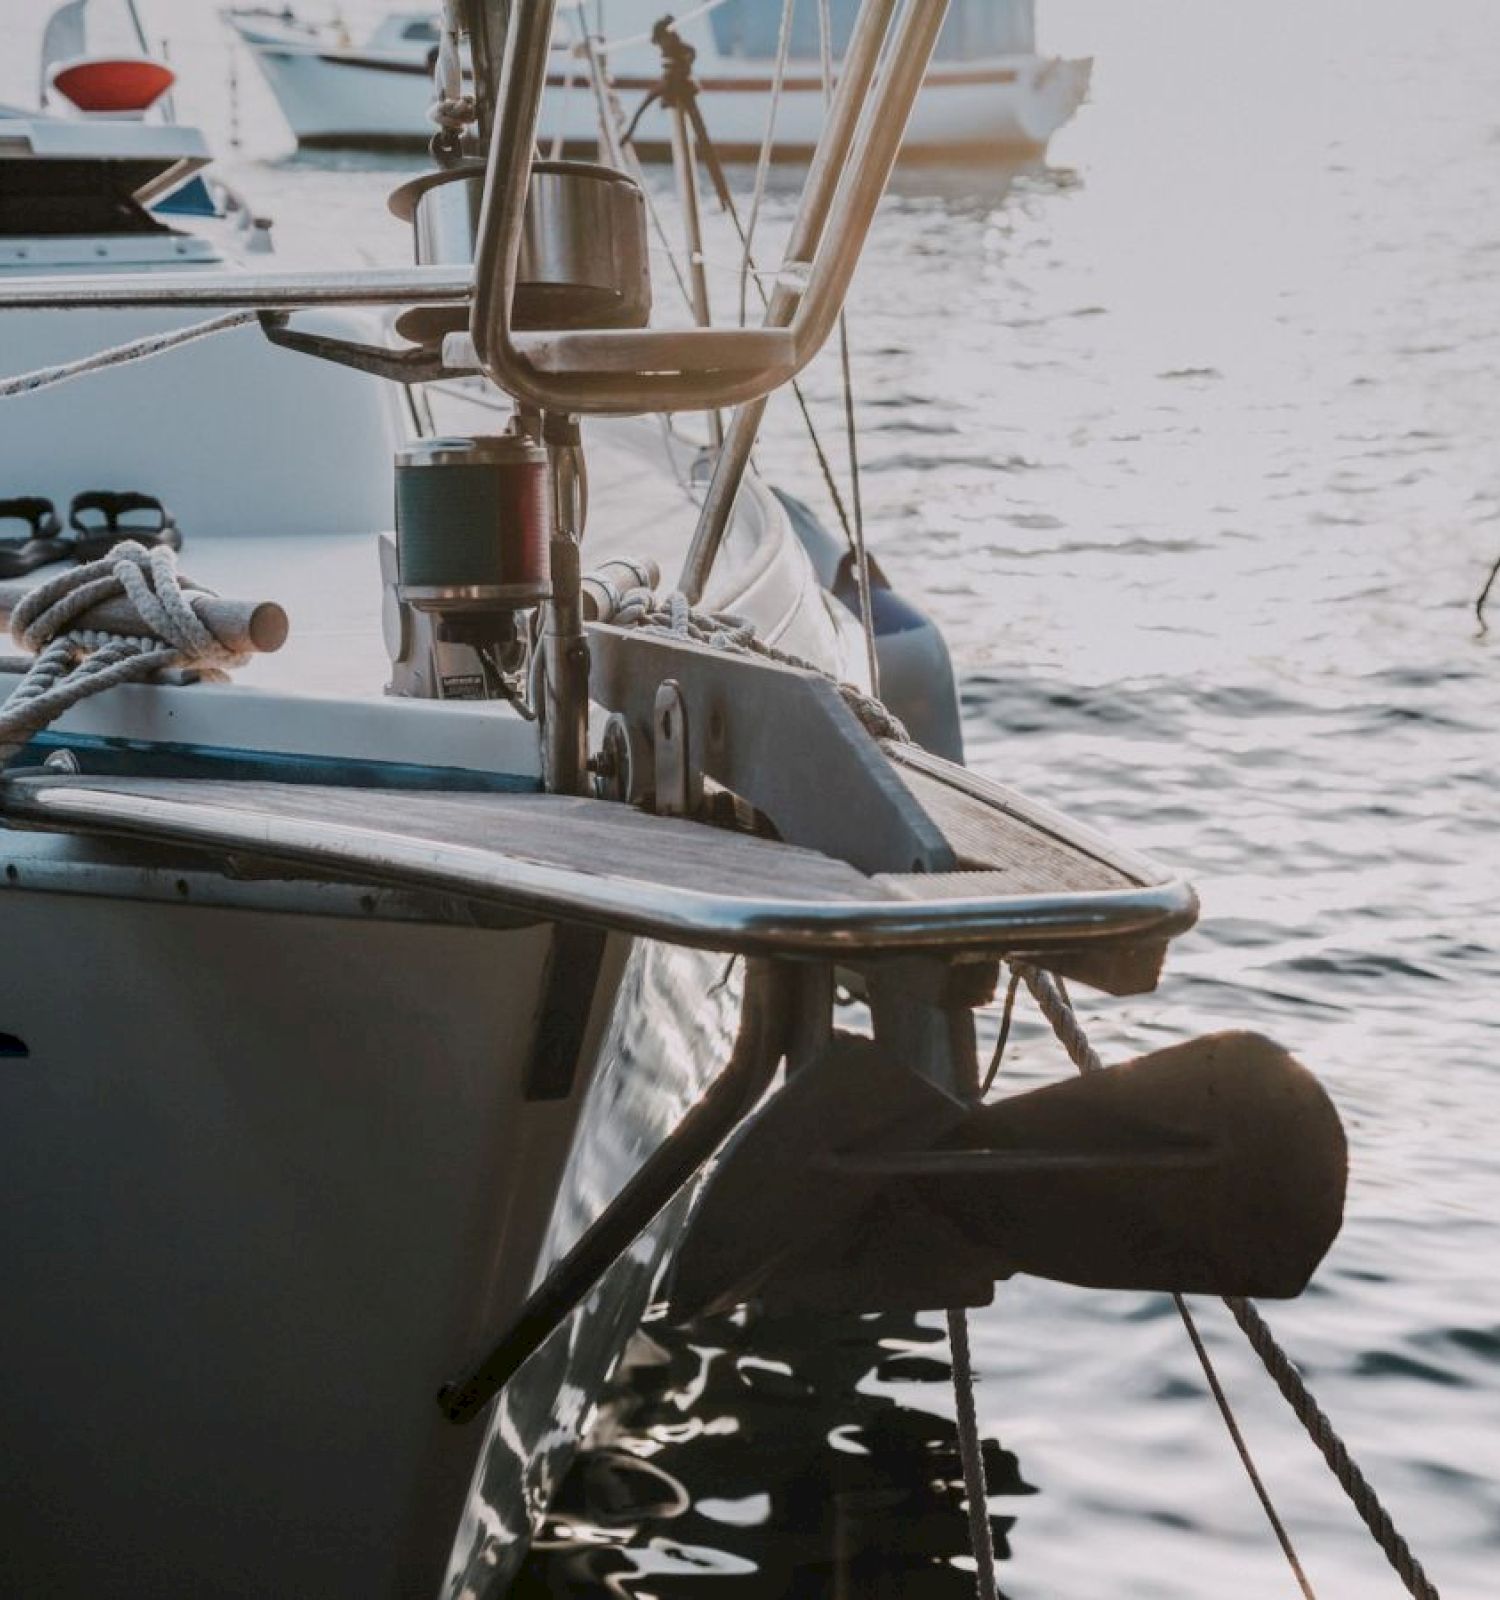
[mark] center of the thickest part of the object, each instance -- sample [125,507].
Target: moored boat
[384,1009]
[988,92]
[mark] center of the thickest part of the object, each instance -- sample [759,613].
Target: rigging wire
[569,83]
[767,144]
[604,94]
[612,121]
[851,424]
[635,39]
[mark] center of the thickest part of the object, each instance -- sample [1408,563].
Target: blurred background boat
[988,90]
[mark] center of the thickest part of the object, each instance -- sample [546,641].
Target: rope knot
[149,580]
[74,662]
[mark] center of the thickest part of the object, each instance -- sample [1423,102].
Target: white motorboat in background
[988,91]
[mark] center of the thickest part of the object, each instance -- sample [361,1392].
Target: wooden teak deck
[1027,881]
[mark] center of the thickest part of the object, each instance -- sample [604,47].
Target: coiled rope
[74,663]
[1052,1001]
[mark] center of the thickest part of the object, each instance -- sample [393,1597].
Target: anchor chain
[1055,1007]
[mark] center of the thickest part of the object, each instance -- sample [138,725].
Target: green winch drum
[474,519]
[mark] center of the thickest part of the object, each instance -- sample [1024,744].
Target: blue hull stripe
[119,758]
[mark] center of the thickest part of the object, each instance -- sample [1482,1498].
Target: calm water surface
[1192,442]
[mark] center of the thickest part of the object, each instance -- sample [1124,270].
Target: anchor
[1216,1166]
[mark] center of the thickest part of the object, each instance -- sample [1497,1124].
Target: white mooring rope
[74,663]
[119,355]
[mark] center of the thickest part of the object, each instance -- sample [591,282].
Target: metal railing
[695,370]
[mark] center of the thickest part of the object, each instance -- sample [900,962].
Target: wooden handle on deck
[259,625]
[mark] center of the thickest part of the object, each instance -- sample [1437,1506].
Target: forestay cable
[851,425]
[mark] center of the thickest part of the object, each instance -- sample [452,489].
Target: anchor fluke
[1217,1166]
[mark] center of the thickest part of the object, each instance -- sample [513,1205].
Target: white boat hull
[1008,103]
[273,1178]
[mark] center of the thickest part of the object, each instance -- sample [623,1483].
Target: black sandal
[98,518]
[43,542]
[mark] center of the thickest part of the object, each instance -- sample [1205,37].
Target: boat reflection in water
[770,1451]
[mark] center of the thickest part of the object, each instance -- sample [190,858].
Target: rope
[137,350]
[1332,1448]
[1065,1024]
[1061,1015]
[451,110]
[971,1454]
[74,663]
[1237,1438]
[672,616]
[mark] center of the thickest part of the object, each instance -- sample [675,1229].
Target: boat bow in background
[988,92]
